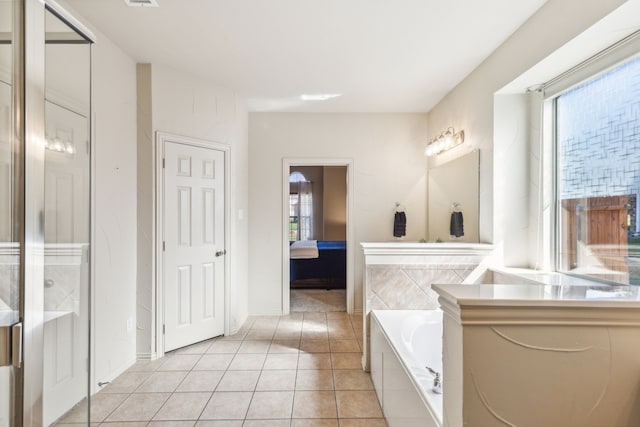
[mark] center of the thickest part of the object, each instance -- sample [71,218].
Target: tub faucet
[437,381]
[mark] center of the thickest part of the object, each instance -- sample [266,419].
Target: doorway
[193,234]
[317,251]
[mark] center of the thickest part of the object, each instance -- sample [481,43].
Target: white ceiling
[381,55]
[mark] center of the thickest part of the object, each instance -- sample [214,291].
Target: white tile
[200,381]
[227,406]
[183,406]
[277,380]
[271,405]
[247,362]
[239,381]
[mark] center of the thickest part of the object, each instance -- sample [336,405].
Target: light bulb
[57,145]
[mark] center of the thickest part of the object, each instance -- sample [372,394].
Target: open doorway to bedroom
[316,215]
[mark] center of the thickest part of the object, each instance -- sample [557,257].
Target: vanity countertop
[402,248]
[545,277]
[540,295]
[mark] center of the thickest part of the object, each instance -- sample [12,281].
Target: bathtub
[403,343]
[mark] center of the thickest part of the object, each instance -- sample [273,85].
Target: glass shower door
[44,215]
[66,223]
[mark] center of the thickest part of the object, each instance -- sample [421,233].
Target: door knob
[220,253]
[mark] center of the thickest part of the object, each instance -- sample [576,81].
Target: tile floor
[301,370]
[318,300]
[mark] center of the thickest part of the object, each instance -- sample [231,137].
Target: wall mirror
[454,186]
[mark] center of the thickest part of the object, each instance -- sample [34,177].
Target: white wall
[114,246]
[470,106]
[145,263]
[389,164]
[186,105]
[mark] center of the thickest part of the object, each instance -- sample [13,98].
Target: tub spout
[437,381]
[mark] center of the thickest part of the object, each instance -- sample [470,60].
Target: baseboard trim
[279,313]
[147,356]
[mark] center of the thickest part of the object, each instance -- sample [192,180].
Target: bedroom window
[597,146]
[300,207]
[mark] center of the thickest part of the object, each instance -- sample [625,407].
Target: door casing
[158,219]
[286,166]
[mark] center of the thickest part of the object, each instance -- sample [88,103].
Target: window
[597,143]
[300,207]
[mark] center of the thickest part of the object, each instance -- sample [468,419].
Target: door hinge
[163,245]
[16,348]
[11,345]
[163,329]
[163,163]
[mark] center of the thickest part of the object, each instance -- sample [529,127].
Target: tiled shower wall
[407,286]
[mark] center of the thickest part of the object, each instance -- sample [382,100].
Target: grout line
[322,319]
[112,411]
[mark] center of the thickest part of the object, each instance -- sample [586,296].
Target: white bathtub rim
[422,392]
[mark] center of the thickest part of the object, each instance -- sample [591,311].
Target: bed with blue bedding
[325,268]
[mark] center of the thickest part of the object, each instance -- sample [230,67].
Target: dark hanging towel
[456,227]
[399,224]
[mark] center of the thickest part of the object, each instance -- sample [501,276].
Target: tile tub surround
[398,276]
[297,370]
[65,269]
[538,354]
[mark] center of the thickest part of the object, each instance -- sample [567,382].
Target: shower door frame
[29,128]
[28,122]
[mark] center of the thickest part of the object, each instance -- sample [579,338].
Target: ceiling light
[319,96]
[142,3]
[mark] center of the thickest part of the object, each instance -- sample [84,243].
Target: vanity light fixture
[59,146]
[141,3]
[443,142]
[318,96]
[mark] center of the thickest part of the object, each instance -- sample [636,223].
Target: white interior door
[194,244]
[66,264]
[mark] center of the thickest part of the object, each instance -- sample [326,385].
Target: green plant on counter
[438,240]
